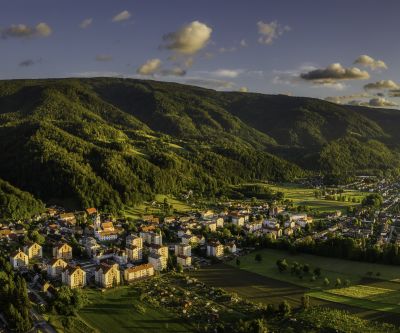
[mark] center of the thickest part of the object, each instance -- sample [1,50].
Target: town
[92,249]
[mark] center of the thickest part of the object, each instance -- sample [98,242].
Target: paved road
[41,323]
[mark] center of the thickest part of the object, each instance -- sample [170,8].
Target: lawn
[114,311]
[305,196]
[146,207]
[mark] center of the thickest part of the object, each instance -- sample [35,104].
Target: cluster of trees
[298,269]
[16,204]
[14,300]
[340,247]
[68,301]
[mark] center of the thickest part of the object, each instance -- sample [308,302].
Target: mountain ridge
[107,142]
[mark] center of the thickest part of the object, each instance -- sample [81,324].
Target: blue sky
[285,46]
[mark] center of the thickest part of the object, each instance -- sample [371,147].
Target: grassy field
[254,287]
[114,311]
[146,207]
[378,294]
[305,196]
[331,268]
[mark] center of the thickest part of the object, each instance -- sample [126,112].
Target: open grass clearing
[114,311]
[332,268]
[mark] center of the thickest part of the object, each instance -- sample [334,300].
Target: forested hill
[105,141]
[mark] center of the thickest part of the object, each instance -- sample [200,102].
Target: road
[39,321]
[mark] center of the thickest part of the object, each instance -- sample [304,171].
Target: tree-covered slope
[16,204]
[108,142]
[66,142]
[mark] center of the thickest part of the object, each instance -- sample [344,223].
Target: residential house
[67,219]
[183,260]
[220,222]
[107,232]
[55,267]
[107,275]
[184,231]
[215,249]
[183,250]
[231,247]
[63,251]
[19,259]
[151,237]
[237,220]
[159,262]
[189,239]
[134,240]
[138,272]
[73,277]
[254,226]
[159,249]
[33,250]
[211,225]
[134,252]
[207,214]
[91,246]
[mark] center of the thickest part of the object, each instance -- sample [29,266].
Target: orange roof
[148,228]
[91,211]
[107,225]
[5,232]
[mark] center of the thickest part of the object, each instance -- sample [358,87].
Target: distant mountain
[106,142]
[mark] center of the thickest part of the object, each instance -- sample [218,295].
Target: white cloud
[381,102]
[333,73]
[123,16]
[149,67]
[367,61]
[394,93]
[270,31]
[189,39]
[104,57]
[227,73]
[86,23]
[291,76]
[243,43]
[244,89]
[345,99]
[377,102]
[381,85]
[21,30]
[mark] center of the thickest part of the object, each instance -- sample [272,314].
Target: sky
[345,51]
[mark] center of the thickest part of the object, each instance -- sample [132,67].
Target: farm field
[375,294]
[305,196]
[114,311]
[263,289]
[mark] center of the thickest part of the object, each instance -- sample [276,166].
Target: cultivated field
[379,294]
[114,311]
